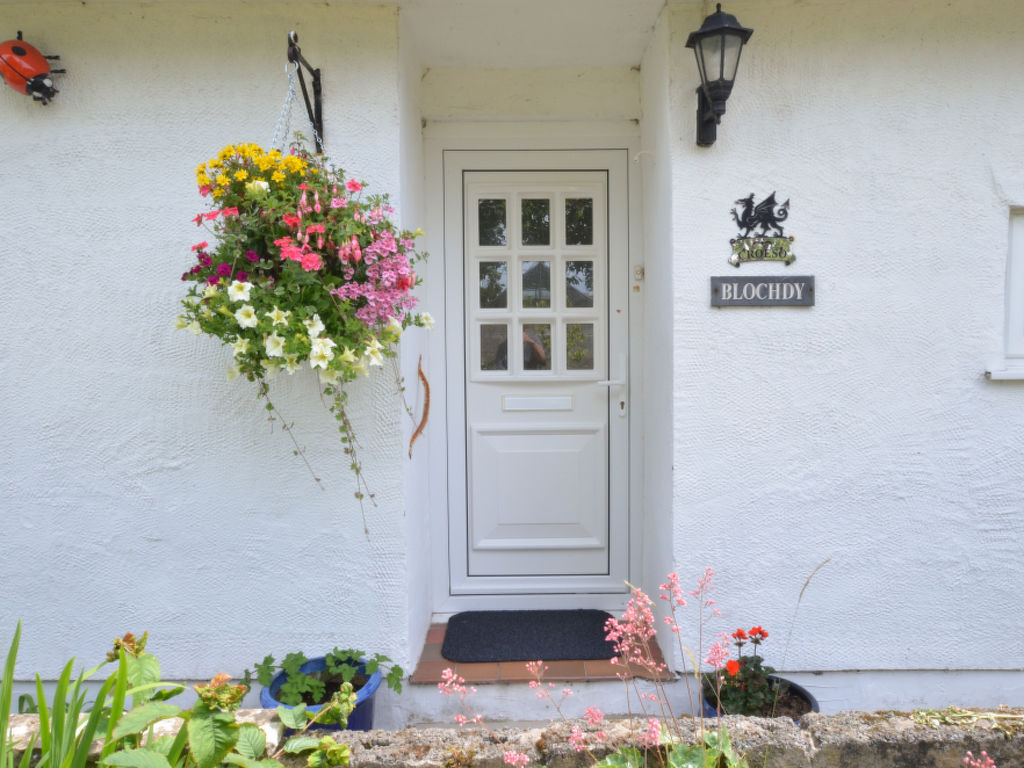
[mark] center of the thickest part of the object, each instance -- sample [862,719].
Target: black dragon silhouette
[767,214]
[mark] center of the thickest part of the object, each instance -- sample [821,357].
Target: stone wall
[845,740]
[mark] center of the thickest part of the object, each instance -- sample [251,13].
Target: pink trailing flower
[979,762]
[652,736]
[517,759]
[593,715]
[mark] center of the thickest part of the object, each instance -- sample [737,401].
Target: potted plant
[313,682]
[747,686]
[307,273]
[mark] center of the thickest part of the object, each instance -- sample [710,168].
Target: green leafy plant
[745,687]
[340,666]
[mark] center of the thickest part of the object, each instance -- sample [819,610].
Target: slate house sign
[771,244]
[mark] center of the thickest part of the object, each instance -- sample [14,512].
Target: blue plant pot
[361,718]
[709,711]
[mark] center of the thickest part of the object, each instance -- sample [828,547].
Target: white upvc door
[537,261]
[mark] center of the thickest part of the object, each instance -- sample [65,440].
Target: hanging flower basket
[305,272]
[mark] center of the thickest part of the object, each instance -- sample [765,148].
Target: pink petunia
[353,186]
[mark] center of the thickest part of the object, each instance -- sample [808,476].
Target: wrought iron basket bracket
[316,109]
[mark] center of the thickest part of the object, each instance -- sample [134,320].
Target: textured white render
[862,429]
[139,490]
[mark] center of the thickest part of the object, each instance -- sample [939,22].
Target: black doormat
[526,636]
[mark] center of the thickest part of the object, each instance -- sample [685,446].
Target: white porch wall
[655,165]
[863,429]
[140,490]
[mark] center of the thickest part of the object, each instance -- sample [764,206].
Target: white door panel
[543,433]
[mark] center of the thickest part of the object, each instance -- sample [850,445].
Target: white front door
[539,499]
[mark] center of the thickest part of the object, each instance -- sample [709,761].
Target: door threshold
[432,664]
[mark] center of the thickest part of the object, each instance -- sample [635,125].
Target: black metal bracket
[707,120]
[316,109]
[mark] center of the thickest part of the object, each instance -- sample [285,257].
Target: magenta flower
[252,256]
[224,269]
[213,279]
[241,275]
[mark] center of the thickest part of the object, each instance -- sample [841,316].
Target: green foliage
[749,692]
[340,666]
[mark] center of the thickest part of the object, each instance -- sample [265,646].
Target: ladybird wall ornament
[26,70]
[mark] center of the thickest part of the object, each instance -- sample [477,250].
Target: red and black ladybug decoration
[26,70]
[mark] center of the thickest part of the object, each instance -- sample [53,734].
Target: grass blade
[6,693]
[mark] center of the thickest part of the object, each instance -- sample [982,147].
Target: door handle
[610,383]
[618,384]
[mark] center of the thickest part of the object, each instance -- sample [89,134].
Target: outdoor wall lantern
[717,46]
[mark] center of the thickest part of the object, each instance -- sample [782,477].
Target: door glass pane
[536,284]
[493,284]
[491,217]
[579,221]
[579,346]
[579,284]
[493,347]
[536,347]
[536,222]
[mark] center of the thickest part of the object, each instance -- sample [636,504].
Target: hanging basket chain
[284,120]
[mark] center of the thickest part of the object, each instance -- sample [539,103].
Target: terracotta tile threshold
[432,664]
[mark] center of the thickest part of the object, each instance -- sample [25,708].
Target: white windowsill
[1006,370]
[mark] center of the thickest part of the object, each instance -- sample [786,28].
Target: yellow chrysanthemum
[277,176]
[241,175]
[223,181]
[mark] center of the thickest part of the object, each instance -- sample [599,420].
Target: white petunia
[428,321]
[314,326]
[347,356]
[319,359]
[194,328]
[291,363]
[233,372]
[278,317]
[246,316]
[323,346]
[274,345]
[394,326]
[210,291]
[329,376]
[257,187]
[239,291]
[240,346]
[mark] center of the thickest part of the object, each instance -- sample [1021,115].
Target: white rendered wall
[139,490]
[862,429]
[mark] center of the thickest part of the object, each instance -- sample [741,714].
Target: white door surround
[558,405]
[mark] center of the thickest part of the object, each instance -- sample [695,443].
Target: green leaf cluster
[340,666]
[715,751]
[749,692]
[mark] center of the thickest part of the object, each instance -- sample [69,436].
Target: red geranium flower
[757,634]
[732,667]
[739,634]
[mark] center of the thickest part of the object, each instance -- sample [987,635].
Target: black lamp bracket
[707,120]
[316,109]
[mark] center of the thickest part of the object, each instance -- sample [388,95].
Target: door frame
[562,146]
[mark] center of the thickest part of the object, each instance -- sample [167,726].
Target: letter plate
[794,291]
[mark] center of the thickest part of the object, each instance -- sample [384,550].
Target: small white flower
[194,328]
[319,359]
[246,316]
[274,345]
[210,291]
[257,187]
[330,376]
[239,291]
[324,346]
[374,357]
[394,326]
[233,372]
[278,317]
[270,367]
[180,323]
[314,326]
[240,346]
[428,321]
[291,363]
[347,356]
